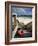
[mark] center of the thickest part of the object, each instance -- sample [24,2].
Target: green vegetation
[28,27]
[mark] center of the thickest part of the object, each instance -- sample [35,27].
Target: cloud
[22,11]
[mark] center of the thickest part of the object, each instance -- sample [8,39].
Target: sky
[22,11]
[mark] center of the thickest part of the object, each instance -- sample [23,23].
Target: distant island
[24,15]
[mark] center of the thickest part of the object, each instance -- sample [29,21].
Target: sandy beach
[24,20]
